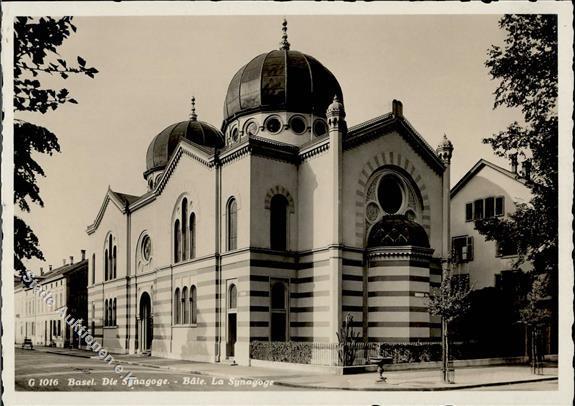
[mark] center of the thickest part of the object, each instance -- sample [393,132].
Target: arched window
[114,323]
[233,297]
[106,265]
[177,306]
[114,262]
[185,309]
[232,226]
[106,312]
[279,312]
[192,235]
[110,265]
[110,315]
[278,222]
[177,245]
[193,305]
[184,229]
[93,268]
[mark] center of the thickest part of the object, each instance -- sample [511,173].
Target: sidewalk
[221,370]
[425,380]
[72,352]
[419,380]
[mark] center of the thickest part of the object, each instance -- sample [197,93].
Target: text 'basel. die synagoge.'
[273,227]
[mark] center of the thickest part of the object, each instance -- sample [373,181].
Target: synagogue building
[274,225]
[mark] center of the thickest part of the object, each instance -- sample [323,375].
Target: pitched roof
[482,163]
[364,132]
[124,197]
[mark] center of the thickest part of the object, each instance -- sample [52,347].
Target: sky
[149,68]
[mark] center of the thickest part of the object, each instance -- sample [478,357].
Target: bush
[411,352]
[289,351]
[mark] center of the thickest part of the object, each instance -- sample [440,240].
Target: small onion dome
[165,143]
[281,80]
[445,143]
[335,109]
[397,230]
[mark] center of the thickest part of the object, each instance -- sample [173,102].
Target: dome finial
[193,115]
[284,44]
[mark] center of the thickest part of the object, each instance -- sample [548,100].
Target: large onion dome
[281,80]
[397,230]
[163,145]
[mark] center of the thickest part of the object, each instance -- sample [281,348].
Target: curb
[428,389]
[66,354]
[187,371]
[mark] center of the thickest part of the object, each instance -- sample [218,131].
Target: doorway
[146,325]
[232,321]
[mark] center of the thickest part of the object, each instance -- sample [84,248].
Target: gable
[116,201]
[486,168]
[393,122]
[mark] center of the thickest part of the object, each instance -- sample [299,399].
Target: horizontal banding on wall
[400,324]
[398,278]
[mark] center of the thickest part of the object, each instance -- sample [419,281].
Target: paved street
[40,371]
[536,386]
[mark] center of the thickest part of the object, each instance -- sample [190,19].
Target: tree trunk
[445,352]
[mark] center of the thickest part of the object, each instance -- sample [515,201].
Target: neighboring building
[36,320]
[274,227]
[487,190]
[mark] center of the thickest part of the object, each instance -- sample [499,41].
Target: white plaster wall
[266,175]
[190,179]
[485,264]
[236,183]
[314,202]
[115,222]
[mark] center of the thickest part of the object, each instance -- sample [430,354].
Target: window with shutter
[469,212]
[478,209]
[489,207]
[499,204]
[469,248]
[462,248]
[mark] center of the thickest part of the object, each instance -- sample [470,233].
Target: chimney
[50,266]
[83,254]
[397,108]
[41,270]
[513,158]
[526,169]
[71,259]
[63,261]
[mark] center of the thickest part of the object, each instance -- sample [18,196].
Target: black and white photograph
[287,203]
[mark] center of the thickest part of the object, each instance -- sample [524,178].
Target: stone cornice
[313,150]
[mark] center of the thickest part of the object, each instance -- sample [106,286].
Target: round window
[147,248]
[252,128]
[235,135]
[319,128]
[298,125]
[273,125]
[390,194]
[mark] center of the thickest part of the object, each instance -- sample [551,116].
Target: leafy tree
[450,301]
[536,315]
[526,68]
[36,43]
